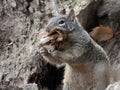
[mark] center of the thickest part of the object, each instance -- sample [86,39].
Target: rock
[20,22]
[31,86]
[108,11]
[109,7]
[114,86]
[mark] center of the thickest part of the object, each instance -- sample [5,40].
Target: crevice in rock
[51,80]
[53,77]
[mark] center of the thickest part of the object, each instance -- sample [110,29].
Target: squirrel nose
[58,28]
[48,29]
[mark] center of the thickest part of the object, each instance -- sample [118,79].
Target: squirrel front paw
[43,51]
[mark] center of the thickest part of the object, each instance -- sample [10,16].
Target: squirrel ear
[71,15]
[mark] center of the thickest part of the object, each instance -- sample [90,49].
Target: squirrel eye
[61,22]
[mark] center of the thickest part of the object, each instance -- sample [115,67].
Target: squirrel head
[68,29]
[64,23]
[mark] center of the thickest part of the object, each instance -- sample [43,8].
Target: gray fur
[86,62]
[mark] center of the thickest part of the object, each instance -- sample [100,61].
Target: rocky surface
[19,59]
[21,65]
[114,86]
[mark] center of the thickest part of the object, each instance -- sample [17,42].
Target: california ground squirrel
[87,65]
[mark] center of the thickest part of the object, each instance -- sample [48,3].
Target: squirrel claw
[43,50]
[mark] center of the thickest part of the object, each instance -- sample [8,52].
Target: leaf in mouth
[57,34]
[45,40]
[52,37]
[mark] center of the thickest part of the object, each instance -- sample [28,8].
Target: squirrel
[87,64]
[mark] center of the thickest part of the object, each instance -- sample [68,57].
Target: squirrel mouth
[53,37]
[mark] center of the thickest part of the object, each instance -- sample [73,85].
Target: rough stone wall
[21,65]
[20,21]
